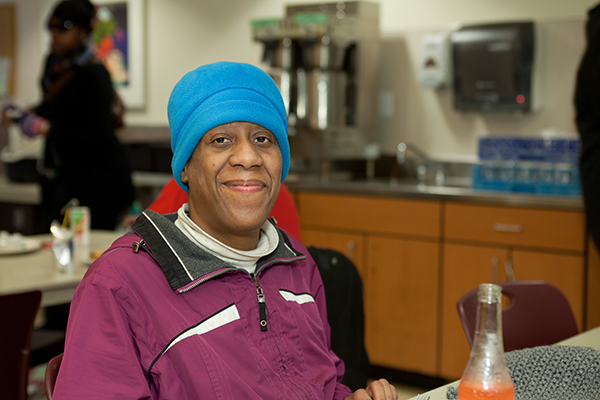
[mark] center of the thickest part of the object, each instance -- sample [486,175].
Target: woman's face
[234,175]
[66,36]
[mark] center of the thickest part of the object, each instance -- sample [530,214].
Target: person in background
[587,106]
[172,197]
[83,158]
[213,302]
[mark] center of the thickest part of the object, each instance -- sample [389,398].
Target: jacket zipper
[262,306]
[142,245]
[137,245]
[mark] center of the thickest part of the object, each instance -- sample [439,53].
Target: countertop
[31,193]
[19,193]
[408,189]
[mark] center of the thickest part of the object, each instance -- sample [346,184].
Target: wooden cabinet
[465,267]
[395,246]
[350,244]
[401,303]
[481,241]
[523,227]
[593,287]
[350,213]
[418,257]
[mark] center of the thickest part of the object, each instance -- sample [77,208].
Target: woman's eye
[221,140]
[263,139]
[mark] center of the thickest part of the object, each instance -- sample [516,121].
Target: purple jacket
[156,317]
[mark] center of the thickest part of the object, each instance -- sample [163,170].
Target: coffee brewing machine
[324,58]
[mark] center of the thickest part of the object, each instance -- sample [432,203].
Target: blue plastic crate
[529,149]
[541,178]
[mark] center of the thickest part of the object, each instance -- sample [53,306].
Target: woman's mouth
[245,186]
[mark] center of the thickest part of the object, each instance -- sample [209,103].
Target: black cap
[80,12]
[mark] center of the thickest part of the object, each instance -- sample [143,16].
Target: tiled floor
[36,383]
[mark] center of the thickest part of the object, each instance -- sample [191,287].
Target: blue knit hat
[220,93]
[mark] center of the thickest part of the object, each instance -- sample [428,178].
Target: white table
[39,271]
[589,338]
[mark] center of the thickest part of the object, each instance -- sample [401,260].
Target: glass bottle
[486,376]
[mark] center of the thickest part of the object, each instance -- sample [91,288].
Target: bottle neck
[486,374]
[488,331]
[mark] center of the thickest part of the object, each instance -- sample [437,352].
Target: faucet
[423,166]
[402,148]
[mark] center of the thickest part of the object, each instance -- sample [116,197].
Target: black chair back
[345,314]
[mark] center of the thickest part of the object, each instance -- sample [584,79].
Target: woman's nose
[245,154]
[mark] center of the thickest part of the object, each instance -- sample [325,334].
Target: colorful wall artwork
[119,40]
[110,39]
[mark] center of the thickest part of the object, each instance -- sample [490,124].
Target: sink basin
[457,182]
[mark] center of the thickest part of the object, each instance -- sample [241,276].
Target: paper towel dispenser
[496,67]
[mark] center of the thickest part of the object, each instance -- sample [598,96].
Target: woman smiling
[214,301]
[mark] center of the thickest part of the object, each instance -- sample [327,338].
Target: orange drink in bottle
[476,391]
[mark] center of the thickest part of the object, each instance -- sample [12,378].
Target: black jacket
[83,157]
[587,104]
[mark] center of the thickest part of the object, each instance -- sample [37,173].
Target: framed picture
[119,40]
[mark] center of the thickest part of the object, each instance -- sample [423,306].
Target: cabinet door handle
[512,228]
[350,246]
[494,269]
[510,273]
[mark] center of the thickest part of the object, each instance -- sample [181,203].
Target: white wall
[399,14]
[427,117]
[182,34]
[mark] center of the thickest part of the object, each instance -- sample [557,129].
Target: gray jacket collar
[186,265]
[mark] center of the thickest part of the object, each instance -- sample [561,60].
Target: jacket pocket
[214,321]
[299,298]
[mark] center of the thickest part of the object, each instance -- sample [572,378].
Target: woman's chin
[249,227]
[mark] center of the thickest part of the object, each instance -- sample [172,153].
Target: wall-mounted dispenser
[497,67]
[324,58]
[434,61]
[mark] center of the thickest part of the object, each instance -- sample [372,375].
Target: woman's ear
[184,177]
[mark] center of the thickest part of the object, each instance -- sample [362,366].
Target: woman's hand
[377,390]
[34,125]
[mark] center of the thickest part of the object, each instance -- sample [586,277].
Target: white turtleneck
[268,241]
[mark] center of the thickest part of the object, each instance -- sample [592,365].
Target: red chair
[17,313]
[51,374]
[538,315]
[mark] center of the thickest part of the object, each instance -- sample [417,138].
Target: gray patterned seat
[552,373]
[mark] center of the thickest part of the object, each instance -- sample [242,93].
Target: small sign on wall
[4,76]
[434,61]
